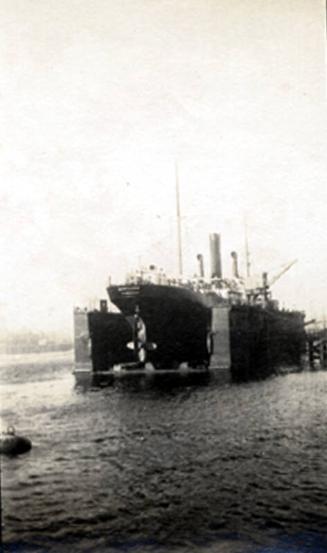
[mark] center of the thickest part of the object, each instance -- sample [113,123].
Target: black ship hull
[109,333]
[176,321]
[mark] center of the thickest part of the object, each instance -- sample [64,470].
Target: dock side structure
[317,348]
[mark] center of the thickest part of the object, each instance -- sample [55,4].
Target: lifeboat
[11,444]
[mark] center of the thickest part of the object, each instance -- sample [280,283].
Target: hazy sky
[98,100]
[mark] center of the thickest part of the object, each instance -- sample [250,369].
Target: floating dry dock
[163,323]
[248,343]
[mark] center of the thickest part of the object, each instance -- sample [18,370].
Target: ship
[200,323]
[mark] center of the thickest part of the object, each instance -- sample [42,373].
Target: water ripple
[175,467]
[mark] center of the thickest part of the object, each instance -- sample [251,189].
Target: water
[159,464]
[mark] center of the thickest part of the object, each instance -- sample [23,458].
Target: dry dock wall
[82,342]
[220,338]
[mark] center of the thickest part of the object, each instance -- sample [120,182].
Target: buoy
[11,444]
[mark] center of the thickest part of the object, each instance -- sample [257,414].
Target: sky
[100,99]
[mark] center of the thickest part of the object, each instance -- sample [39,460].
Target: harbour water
[164,464]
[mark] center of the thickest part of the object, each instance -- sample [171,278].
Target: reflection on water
[165,462]
[140,381]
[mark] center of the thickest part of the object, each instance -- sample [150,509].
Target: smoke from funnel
[215,255]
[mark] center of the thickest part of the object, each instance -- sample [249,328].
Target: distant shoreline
[38,357]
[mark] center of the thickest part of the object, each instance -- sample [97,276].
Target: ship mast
[179,225]
[247,252]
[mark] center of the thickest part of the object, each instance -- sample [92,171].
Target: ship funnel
[215,256]
[265,283]
[201,265]
[235,272]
